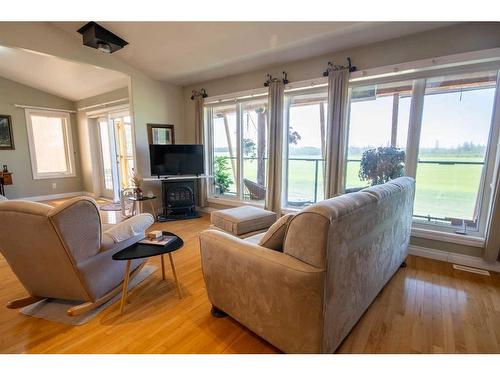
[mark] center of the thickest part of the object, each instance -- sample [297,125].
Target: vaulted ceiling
[63,78]
[188,52]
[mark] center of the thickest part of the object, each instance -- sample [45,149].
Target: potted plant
[382,164]
[137,183]
[222,176]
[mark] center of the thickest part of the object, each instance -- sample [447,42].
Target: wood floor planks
[426,308]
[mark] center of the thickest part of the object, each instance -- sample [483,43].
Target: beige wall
[18,160]
[151,101]
[450,40]
[453,39]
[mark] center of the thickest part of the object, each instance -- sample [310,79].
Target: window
[305,123]
[50,144]
[254,148]
[449,119]
[379,116]
[456,122]
[238,133]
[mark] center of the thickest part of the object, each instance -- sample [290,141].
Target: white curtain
[338,85]
[275,146]
[199,133]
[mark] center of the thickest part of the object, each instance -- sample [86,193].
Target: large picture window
[50,144]
[378,117]
[448,144]
[435,128]
[305,122]
[456,122]
[238,149]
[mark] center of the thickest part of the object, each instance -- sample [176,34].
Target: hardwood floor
[426,308]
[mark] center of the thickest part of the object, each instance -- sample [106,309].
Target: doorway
[117,153]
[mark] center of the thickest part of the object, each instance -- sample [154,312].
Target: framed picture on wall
[6,135]
[161,134]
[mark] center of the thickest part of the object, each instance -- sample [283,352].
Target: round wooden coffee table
[139,251]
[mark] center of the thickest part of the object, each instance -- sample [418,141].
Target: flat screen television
[176,160]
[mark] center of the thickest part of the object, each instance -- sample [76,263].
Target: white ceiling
[67,79]
[188,52]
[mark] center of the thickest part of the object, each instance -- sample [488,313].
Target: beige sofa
[63,252]
[337,256]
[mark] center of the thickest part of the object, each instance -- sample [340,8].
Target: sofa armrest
[132,227]
[275,295]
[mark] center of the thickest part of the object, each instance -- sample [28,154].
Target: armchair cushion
[133,227]
[275,235]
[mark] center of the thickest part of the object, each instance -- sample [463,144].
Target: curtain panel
[275,146]
[338,92]
[199,134]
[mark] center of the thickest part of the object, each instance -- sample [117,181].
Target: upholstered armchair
[63,252]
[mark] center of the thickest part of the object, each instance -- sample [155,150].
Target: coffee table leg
[175,275]
[162,267]
[125,286]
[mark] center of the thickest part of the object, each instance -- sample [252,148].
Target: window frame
[440,231]
[68,143]
[208,109]
[288,98]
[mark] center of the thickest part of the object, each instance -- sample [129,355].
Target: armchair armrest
[275,295]
[132,227]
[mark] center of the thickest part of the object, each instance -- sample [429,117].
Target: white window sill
[460,239]
[232,202]
[53,176]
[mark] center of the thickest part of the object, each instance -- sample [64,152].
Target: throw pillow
[275,235]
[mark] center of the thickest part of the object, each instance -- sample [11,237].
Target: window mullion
[415,127]
[492,160]
[285,156]
[239,153]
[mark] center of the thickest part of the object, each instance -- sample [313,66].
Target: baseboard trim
[445,256]
[89,194]
[50,197]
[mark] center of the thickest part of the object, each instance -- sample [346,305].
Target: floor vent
[471,269]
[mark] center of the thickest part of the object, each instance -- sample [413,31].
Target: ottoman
[244,221]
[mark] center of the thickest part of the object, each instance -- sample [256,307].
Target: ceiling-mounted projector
[96,36]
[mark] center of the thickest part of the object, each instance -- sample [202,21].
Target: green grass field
[442,190]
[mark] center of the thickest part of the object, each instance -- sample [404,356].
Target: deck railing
[317,165]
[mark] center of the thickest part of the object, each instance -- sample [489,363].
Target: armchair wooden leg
[403,265]
[22,302]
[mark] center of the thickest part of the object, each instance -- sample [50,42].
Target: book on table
[160,241]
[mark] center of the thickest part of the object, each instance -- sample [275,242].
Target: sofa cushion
[275,235]
[241,220]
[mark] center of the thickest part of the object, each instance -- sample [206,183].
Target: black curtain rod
[270,79]
[202,93]
[331,67]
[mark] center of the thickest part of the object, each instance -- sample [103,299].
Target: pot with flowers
[137,183]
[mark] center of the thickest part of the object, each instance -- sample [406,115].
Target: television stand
[179,200]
